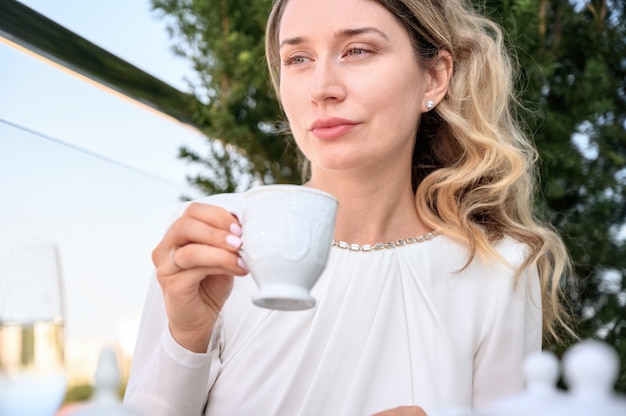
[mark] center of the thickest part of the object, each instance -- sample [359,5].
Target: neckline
[388,245]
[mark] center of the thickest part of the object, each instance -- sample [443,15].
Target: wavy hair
[474,169]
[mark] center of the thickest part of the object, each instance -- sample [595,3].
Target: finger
[177,266]
[203,259]
[206,224]
[200,224]
[212,215]
[188,230]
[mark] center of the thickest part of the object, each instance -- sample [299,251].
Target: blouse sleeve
[165,378]
[512,330]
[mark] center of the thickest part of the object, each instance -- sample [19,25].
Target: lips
[330,128]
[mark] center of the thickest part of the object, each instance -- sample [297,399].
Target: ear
[438,78]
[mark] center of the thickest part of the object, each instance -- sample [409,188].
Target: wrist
[196,340]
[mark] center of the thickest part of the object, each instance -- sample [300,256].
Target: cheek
[290,98]
[396,97]
[398,81]
[292,103]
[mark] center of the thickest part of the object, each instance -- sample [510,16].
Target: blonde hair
[474,170]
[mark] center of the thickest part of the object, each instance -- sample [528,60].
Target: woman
[402,109]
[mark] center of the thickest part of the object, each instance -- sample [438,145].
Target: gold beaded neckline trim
[388,245]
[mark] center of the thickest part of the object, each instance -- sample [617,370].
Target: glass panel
[96,174]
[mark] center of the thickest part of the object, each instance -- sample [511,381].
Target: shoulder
[488,284]
[508,275]
[512,252]
[481,274]
[509,253]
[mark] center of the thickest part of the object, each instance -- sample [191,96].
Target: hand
[403,411]
[195,264]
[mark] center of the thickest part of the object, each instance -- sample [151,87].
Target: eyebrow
[341,34]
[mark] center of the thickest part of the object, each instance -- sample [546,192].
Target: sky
[91,172]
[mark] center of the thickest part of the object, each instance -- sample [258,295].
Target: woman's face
[350,84]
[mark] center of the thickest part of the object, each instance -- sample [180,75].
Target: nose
[326,84]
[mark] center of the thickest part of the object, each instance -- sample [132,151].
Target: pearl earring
[430,104]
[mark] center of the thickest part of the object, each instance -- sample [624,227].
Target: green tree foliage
[234,104]
[572,58]
[573,61]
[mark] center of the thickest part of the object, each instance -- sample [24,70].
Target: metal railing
[22,27]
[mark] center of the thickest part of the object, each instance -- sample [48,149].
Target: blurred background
[113,112]
[91,170]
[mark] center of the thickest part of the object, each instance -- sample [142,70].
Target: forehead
[316,17]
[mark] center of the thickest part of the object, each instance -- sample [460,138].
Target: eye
[295,60]
[357,52]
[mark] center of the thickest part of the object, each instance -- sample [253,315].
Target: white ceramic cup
[287,236]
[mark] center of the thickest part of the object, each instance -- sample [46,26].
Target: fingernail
[242,264]
[233,241]
[235,229]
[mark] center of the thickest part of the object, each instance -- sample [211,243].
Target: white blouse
[395,327]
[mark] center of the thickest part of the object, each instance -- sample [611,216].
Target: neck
[372,210]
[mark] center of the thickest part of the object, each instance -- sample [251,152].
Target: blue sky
[104,217]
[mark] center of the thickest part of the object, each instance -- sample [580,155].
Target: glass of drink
[32,375]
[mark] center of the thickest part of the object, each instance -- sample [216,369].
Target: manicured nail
[235,229]
[242,264]
[233,241]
